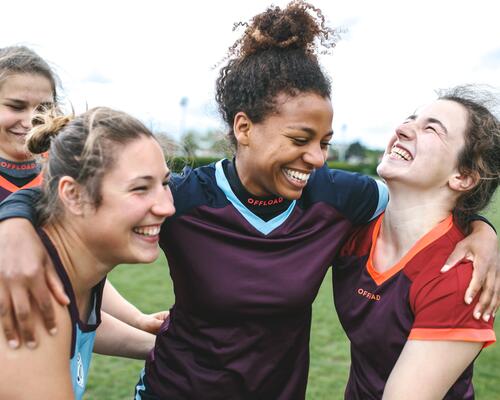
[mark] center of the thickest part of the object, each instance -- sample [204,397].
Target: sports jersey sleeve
[360,197]
[20,204]
[441,313]
[383,199]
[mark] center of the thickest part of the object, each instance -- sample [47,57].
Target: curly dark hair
[275,55]
[480,156]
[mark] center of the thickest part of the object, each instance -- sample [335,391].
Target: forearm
[424,370]
[116,305]
[20,205]
[116,338]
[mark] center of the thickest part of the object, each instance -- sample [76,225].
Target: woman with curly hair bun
[253,237]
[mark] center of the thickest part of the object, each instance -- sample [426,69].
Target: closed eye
[15,107]
[139,189]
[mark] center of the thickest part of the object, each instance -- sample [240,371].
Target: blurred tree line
[200,148]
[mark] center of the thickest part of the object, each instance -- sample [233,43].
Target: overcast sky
[144,56]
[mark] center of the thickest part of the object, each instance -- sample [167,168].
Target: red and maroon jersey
[411,300]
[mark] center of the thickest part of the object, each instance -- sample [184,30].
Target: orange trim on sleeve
[458,334]
[380,277]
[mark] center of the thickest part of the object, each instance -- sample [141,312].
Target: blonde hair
[82,147]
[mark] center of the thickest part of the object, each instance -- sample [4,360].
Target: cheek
[7,119]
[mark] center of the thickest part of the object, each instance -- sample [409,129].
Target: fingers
[56,287]
[495,302]
[460,253]
[7,319]
[162,315]
[490,297]
[24,315]
[42,298]
[152,323]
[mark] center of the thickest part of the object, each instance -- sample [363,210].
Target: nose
[164,204]
[26,119]
[315,155]
[406,131]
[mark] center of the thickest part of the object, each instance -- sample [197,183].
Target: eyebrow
[430,120]
[15,100]
[43,104]
[149,177]
[310,131]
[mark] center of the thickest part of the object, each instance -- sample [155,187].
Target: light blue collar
[258,223]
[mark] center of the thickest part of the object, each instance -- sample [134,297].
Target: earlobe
[70,194]
[242,127]
[463,182]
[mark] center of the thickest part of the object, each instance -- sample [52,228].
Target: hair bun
[45,126]
[295,27]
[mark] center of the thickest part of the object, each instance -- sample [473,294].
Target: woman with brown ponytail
[253,237]
[105,195]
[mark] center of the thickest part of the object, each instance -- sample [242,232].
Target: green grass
[149,287]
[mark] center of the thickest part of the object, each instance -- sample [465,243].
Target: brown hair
[82,147]
[22,60]
[276,54]
[480,156]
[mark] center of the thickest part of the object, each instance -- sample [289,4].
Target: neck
[244,177]
[82,267]
[408,217]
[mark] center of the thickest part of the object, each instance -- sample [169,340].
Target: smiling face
[423,152]
[136,199]
[277,156]
[20,96]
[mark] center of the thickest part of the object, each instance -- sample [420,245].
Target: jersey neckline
[434,234]
[264,227]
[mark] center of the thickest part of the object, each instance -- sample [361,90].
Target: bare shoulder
[43,372]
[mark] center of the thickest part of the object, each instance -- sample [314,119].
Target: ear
[242,126]
[71,195]
[463,182]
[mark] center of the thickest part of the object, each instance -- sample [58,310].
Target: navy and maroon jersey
[412,300]
[15,176]
[83,332]
[244,286]
[7,187]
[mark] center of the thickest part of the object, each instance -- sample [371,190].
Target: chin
[148,257]
[291,195]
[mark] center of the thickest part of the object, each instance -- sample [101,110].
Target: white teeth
[148,230]
[297,175]
[401,153]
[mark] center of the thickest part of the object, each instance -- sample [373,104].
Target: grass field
[149,287]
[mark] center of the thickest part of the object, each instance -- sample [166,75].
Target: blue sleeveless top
[83,333]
